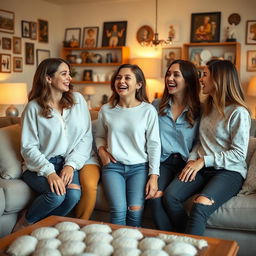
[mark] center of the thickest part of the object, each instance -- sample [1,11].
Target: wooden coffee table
[216,247]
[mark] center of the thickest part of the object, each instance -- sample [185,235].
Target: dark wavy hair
[41,89]
[190,75]
[140,95]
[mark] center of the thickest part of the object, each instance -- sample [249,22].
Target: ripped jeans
[124,186]
[48,203]
[217,185]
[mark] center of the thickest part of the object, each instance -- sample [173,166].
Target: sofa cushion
[10,157]
[2,201]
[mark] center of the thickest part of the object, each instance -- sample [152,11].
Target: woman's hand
[152,186]
[191,169]
[56,184]
[66,174]
[105,156]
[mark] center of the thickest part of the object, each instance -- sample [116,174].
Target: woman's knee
[54,199]
[74,192]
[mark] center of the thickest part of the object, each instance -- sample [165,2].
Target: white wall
[137,13]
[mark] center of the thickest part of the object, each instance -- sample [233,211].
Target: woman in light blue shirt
[178,112]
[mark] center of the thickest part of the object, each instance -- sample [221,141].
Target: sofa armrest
[2,201]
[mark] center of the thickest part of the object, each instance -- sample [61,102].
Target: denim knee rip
[211,201]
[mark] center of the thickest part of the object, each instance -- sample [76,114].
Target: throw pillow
[10,157]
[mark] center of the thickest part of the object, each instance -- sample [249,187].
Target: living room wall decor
[7,21]
[5,63]
[43,31]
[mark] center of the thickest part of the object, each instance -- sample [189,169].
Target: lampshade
[149,66]
[13,93]
[89,90]
[251,91]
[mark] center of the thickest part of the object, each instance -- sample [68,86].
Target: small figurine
[231,33]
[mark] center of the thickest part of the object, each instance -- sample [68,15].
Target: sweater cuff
[208,161]
[46,170]
[154,172]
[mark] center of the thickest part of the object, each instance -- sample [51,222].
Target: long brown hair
[140,95]
[190,75]
[227,86]
[41,89]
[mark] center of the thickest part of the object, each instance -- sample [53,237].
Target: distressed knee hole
[74,186]
[159,194]
[203,200]
[135,208]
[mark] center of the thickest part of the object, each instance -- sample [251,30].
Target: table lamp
[89,91]
[251,91]
[13,93]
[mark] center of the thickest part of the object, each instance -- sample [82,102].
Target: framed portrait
[250,32]
[17,64]
[33,30]
[229,56]
[87,75]
[72,37]
[145,35]
[90,37]
[251,61]
[114,33]
[16,45]
[195,56]
[25,29]
[29,53]
[43,31]
[41,55]
[168,56]
[7,21]
[6,43]
[5,63]
[205,27]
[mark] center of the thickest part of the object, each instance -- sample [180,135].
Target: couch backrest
[8,120]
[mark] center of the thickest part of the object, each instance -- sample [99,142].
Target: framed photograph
[5,63]
[17,64]
[16,45]
[6,43]
[42,55]
[72,37]
[7,21]
[33,30]
[229,56]
[145,34]
[114,33]
[251,61]
[168,56]
[250,32]
[87,75]
[43,31]
[29,53]
[90,37]
[205,27]
[195,56]
[25,29]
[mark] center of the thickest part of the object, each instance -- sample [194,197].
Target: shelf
[95,64]
[89,82]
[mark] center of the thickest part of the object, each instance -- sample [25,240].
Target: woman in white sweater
[56,141]
[127,138]
[216,167]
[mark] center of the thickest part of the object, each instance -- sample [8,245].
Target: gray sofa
[235,220]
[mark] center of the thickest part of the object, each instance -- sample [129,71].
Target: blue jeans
[217,185]
[168,170]
[124,186]
[49,203]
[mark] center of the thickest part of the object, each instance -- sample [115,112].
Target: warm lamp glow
[13,93]
[251,91]
[149,66]
[89,90]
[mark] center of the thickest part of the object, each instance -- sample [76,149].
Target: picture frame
[7,21]
[205,27]
[145,35]
[251,61]
[169,54]
[43,31]
[29,53]
[42,54]
[6,43]
[25,29]
[33,30]
[72,37]
[16,45]
[17,64]
[114,33]
[250,37]
[87,75]
[195,57]
[5,63]
[230,56]
[90,37]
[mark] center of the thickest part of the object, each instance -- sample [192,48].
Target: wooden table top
[215,246]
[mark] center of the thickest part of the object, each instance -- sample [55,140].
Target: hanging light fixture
[156,41]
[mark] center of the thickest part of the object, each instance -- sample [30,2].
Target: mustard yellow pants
[89,178]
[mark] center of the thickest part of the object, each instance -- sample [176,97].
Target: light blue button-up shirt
[176,136]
